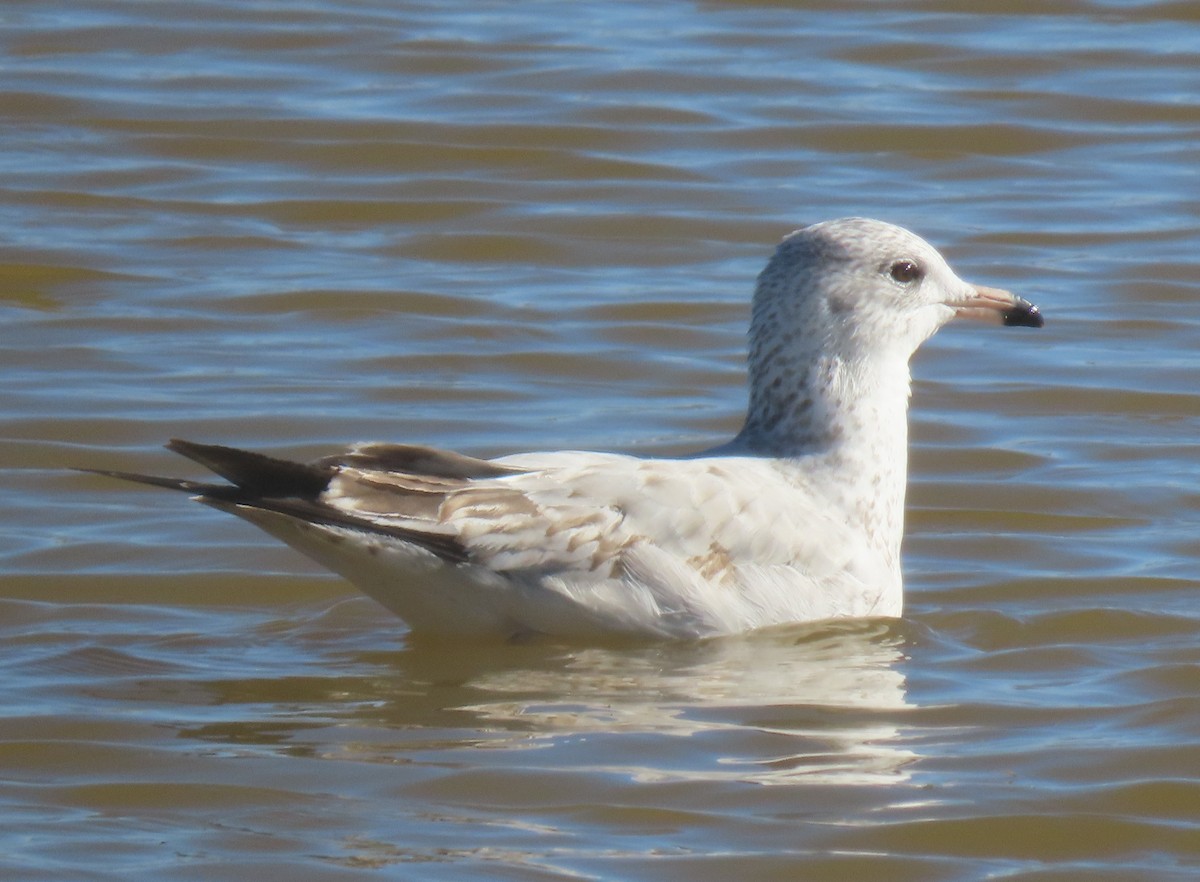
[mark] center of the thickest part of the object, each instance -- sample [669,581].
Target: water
[496,228]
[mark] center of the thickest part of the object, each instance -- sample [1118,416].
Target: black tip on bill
[1023,315]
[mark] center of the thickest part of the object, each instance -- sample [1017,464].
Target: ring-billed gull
[798,518]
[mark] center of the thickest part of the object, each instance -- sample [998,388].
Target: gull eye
[905,272]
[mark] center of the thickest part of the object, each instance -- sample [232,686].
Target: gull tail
[251,476]
[265,483]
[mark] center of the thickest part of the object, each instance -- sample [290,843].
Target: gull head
[857,289]
[838,312]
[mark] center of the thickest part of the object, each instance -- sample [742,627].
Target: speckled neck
[800,407]
[854,417]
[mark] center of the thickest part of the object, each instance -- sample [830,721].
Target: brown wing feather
[295,489]
[415,459]
[255,473]
[444,545]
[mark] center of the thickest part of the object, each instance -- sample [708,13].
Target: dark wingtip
[256,474]
[1023,315]
[155,480]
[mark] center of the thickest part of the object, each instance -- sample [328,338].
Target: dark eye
[904,271]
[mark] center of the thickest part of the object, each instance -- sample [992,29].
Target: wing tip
[181,484]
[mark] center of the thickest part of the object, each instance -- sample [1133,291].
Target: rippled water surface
[498,227]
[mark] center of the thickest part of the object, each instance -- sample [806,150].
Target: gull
[798,518]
